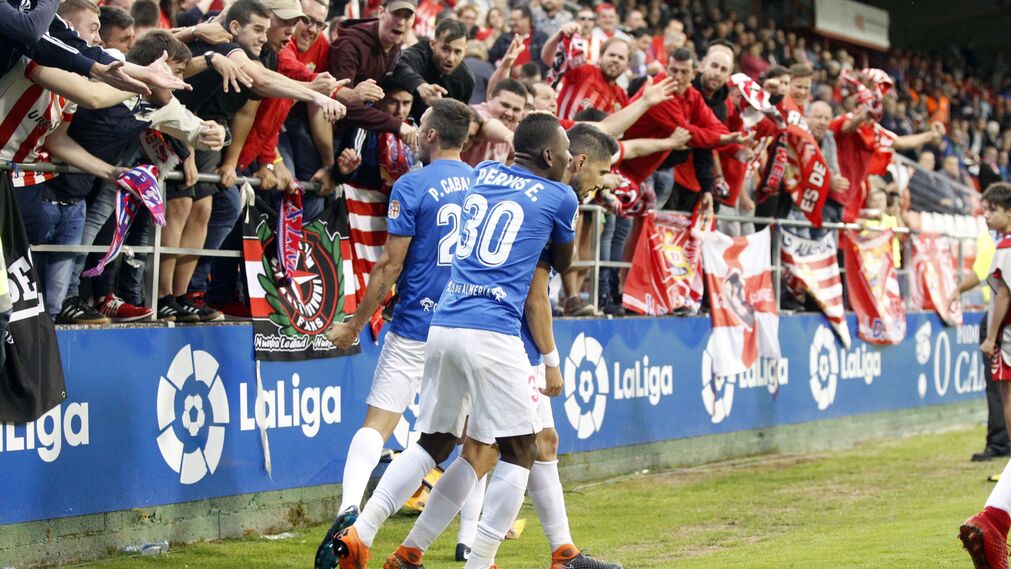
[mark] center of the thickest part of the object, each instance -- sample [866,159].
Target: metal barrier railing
[155,250]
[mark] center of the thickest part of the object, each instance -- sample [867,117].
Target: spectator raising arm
[25,28]
[269,83]
[505,66]
[652,95]
[678,140]
[911,141]
[76,88]
[551,46]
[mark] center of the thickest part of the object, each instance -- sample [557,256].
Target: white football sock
[502,504]
[545,491]
[1000,497]
[444,502]
[403,476]
[363,456]
[471,513]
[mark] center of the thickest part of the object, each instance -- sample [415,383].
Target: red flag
[738,272]
[812,269]
[810,186]
[666,271]
[873,286]
[934,261]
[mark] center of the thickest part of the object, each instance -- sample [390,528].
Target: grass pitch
[888,504]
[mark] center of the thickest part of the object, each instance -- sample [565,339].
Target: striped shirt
[584,87]
[29,114]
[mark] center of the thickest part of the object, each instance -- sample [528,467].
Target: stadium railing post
[595,281]
[777,264]
[154,269]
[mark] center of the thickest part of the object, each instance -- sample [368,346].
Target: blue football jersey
[426,205]
[508,217]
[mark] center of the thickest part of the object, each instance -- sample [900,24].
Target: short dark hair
[530,70]
[525,11]
[801,70]
[244,10]
[774,72]
[998,193]
[113,17]
[389,85]
[149,47]
[511,85]
[682,54]
[590,114]
[451,119]
[534,133]
[451,29]
[145,13]
[587,139]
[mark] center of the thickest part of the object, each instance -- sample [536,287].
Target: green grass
[888,504]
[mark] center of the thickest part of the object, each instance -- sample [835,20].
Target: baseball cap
[285,9]
[394,5]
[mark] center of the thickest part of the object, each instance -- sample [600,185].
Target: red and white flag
[873,286]
[367,220]
[934,260]
[813,269]
[738,272]
[666,271]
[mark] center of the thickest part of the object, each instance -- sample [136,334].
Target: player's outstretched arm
[384,274]
[537,311]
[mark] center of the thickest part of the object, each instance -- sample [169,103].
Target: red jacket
[261,144]
[688,111]
[358,55]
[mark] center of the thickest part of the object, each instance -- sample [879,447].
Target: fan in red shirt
[860,139]
[590,85]
[686,109]
[298,64]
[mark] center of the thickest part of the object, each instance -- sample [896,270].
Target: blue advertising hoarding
[164,415]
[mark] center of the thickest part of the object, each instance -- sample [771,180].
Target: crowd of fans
[288,90]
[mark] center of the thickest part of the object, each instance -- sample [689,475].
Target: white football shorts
[398,374]
[481,373]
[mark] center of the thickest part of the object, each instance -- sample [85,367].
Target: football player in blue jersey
[423,223]
[475,362]
[545,486]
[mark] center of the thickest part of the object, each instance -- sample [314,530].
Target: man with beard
[701,174]
[430,69]
[588,85]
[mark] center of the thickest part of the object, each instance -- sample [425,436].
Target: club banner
[666,271]
[32,374]
[873,286]
[810,186]
[738,273]
[934,260]
[812,270]
[291,316]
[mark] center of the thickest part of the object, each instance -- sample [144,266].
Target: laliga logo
[824,362]
[586,384]
[192,414]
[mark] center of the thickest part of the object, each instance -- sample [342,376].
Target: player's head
[997,202]
[681,67]
[444,126]
[592,151]
[541,146]
[801,76]
[449,45]
[116,28]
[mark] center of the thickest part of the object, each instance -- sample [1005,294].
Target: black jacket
[416,66]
